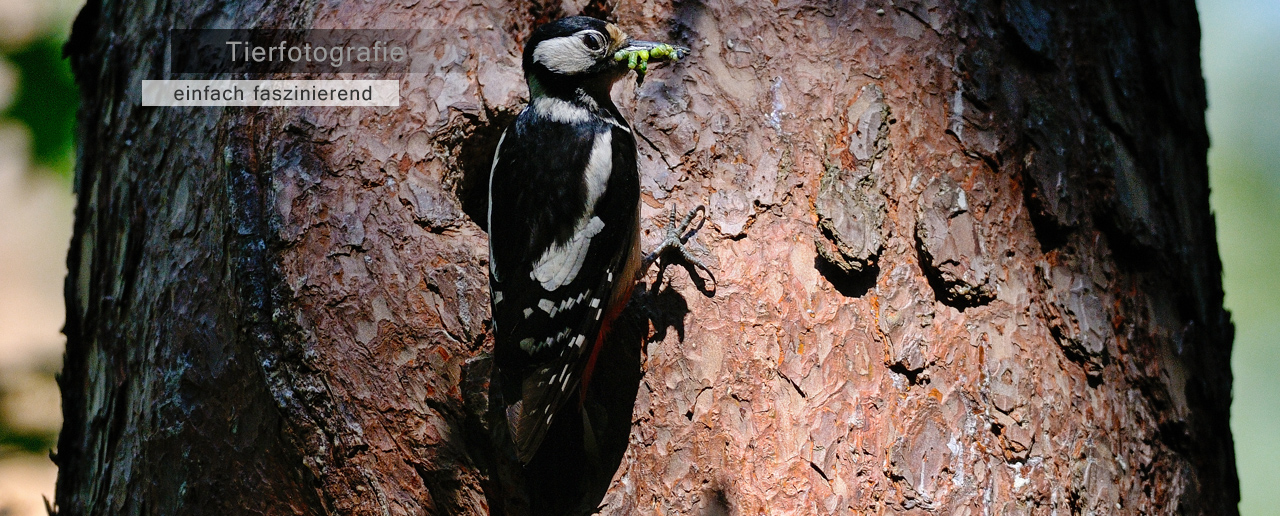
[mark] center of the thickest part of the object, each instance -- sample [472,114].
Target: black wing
[555,258]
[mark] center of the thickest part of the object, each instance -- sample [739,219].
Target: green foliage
[13,441]
[46,102]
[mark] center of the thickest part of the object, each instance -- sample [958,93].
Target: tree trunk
[965,264]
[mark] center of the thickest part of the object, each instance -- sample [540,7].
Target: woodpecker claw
[675,241]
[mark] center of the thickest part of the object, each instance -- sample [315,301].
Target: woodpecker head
[583,52]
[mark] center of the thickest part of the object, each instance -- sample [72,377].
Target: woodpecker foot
[678,234]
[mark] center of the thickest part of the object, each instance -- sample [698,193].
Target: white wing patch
[560,263]
[493,265]
[566,55]
[599,167]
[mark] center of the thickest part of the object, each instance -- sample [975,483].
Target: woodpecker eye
[593,40]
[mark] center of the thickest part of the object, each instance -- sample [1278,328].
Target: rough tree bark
[965,256]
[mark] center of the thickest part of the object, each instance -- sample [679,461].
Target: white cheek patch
[566,55]
[560,263]
[560,110]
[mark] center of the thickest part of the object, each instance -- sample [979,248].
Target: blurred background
[37,115]
[1241,51]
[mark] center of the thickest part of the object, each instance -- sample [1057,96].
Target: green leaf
[46,102]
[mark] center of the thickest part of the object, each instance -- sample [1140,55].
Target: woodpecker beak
[637,54]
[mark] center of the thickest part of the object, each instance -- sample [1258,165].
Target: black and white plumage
[563,222]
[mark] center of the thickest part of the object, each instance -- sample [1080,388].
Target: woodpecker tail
[530,418]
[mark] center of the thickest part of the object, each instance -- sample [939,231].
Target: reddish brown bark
[965,257]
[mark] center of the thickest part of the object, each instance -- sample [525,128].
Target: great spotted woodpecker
[564,238]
